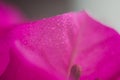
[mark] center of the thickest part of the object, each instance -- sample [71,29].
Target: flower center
[75,73]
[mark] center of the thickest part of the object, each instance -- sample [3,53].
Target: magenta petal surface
[4,54]
[20,69]
[9,17]
[47,43]
[98,52]
[53,45]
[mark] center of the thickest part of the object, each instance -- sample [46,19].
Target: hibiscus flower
[71,46]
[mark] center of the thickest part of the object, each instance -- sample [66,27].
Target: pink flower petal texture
[4,54]
[71,46]
[99,54]
[9,17]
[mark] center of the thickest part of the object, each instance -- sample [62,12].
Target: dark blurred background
[36,9]
[106,11]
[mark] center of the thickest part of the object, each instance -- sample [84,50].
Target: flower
[9,17]
[70,46]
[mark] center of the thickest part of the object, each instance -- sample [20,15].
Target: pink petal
[99,52]
[20,69]
[48,52]
[9,17]
[55,44]
[4,54]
